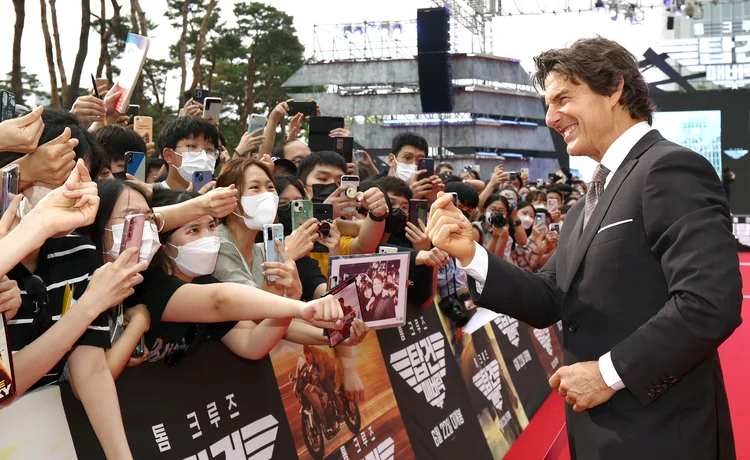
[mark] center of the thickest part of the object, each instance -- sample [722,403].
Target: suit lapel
[576,234]
[595,220]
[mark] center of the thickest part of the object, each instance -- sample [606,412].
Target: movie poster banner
[325,423]
[434,402]
[548,348]
[523,362]
[211,405]
[491,391]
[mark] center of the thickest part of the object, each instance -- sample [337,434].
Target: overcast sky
[520,37]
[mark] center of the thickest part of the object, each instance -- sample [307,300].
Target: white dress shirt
[612,160]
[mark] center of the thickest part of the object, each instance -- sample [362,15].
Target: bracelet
[374,218]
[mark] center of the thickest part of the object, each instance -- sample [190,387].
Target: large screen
[697,130]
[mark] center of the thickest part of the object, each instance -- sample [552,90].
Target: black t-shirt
[67,261]
[164,338]
[310,276]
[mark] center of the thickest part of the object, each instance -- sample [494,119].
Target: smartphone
[552,177]
[358,156]
[541,219]
[552,204]
[324,213]
[271,233]
[427,164]
[135,165]
[540,182]
[344,146]
[9,186]
[324,125]
[7,105]
[308,109]
[512,176]
[352,183]
[347,294]
[387,249]
[132,233]
[511,200]
[139,348]
[302,211]
[455,198]
[201,178]
[134,110]
[212,107]
[144,126]
[525,172]
[337,336]
[418,209]
[256,121]
[555,227]
[199,95]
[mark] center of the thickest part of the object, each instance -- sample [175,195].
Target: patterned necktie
[596,189]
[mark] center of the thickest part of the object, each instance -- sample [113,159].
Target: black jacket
[654,278]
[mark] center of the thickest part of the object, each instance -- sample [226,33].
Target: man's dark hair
[557,190]
[285,180]
[185,128]
[395,186]
[402,140]
[154,162]
[55,122]
[319,158]
[116,140]
[599,63]
[466,193]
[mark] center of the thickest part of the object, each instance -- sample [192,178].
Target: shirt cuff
[609,374]
[477,268]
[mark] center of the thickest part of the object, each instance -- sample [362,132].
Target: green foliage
[30,84]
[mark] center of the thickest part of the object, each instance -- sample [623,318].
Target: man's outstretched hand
[449,230]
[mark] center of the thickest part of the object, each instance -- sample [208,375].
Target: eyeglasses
[213,153]
[193,339]
[156,219]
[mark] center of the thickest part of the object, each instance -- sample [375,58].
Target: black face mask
[321,192]
[466,214]
[285,218]
[395,222]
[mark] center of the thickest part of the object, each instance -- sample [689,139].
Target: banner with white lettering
[548,348]
[491,391]
[433,399]
[321,389]
[211,405]
[521,358]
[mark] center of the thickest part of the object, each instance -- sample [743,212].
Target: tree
[31,84]
[50,56]
[58,51]
[16,81]
[201,44]
[83,49]
[155,74]
[108,28]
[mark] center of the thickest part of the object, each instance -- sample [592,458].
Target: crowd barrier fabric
[429,392]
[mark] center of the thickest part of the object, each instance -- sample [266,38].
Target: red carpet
[543,439]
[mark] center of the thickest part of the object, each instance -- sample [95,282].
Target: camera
[198,175]
[497,219]
[299,207]
[453,309]
[512,176]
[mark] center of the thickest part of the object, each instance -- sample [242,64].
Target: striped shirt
[68,261]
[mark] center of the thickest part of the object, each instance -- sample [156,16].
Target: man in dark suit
[645,278]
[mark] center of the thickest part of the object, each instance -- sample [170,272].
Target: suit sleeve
[529,297]
[688,227]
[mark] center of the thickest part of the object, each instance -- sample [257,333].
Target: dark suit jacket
[654,278]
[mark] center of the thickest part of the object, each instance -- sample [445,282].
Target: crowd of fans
[201,271]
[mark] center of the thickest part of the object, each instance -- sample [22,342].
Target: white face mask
[149,242]
[198,258]
[405,172]
[193,162]
[261,208]
[541,205]
[526,221]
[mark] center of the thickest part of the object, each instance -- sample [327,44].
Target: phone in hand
[552,204]
[200,95]
[200,179]
[271,234]
[139,348]
[347,294]
[540,183]
[511,201]
[324,213]
[144,126]
[336,336]
[256,121]
[212,108]
[344,146]
[9,186]
[352,184]
[455,198]
[512,176]
[302,211]
[525,172]
[418,209]
[135,165]
[132,234]
[134,110]
[7,105]
[555,227]
[541,220]
[358,156]
[308,109]
[427,164]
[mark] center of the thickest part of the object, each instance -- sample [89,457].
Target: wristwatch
[517,222]
[376,219]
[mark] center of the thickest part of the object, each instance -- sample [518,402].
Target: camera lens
[453,310]
[497,219]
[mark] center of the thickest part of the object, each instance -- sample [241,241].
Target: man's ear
[615,98]
[392,161]
[308,191]
[168,155]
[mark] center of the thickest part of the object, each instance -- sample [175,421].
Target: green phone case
[302,210]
